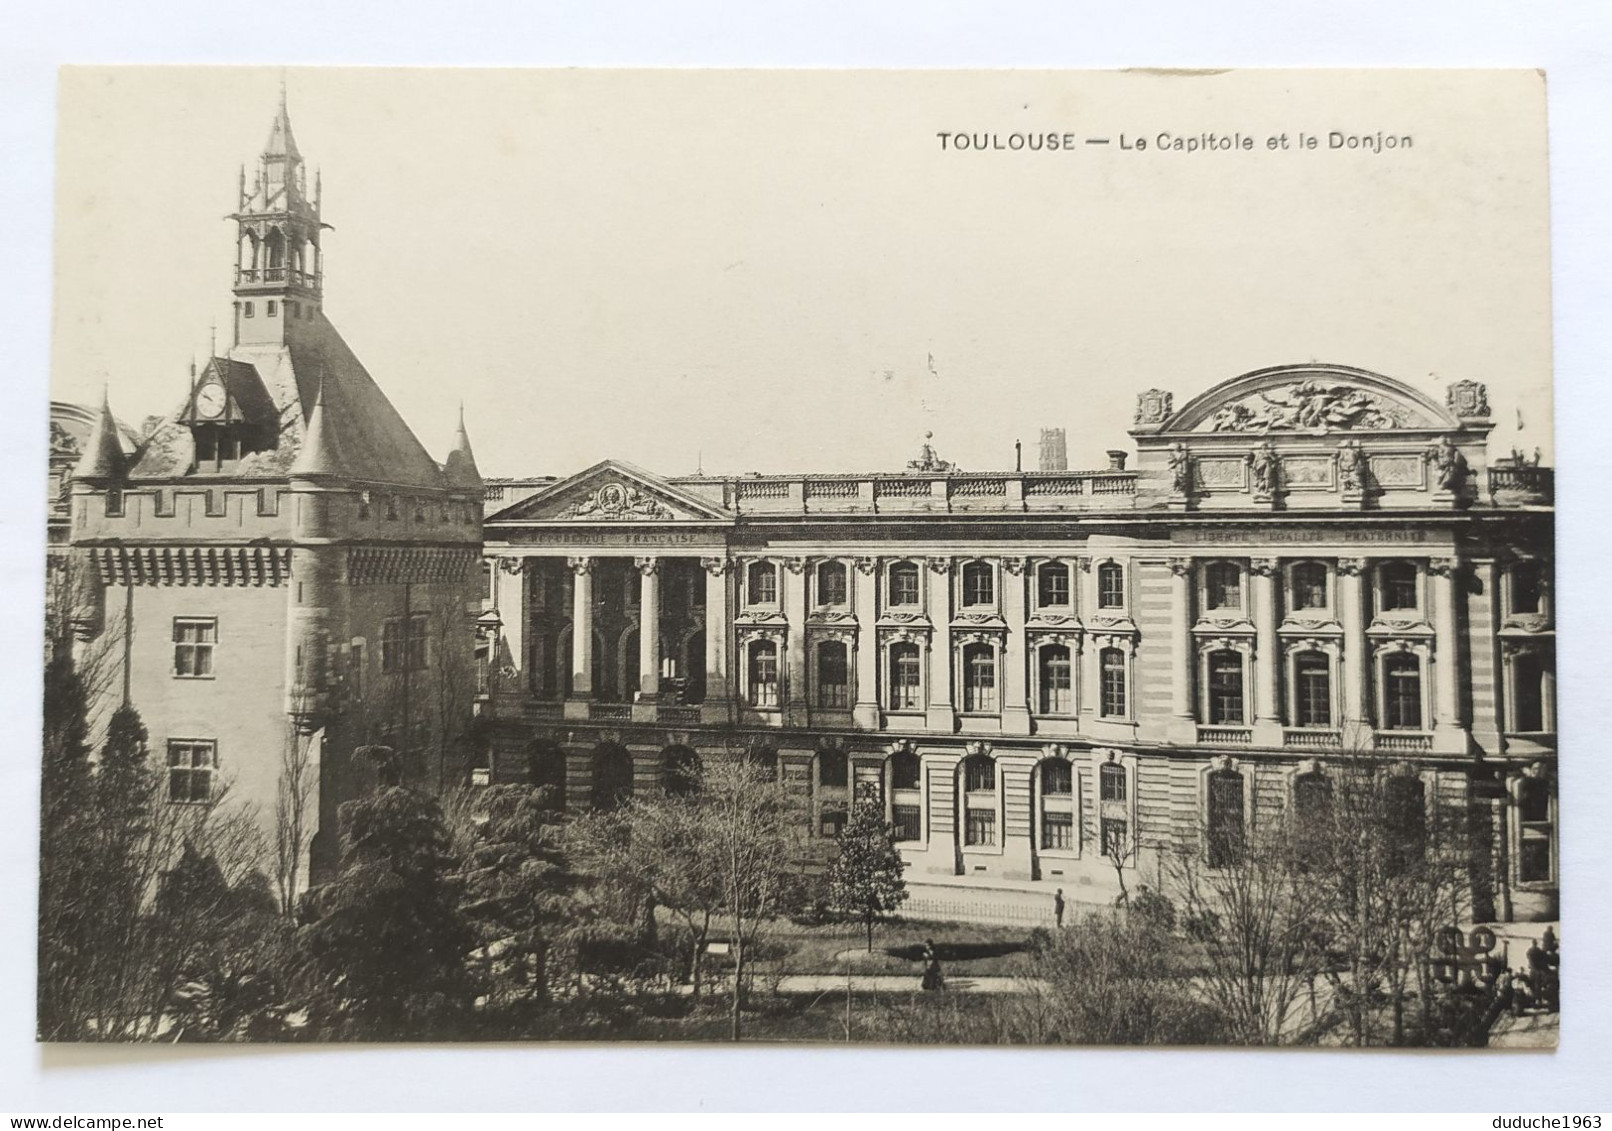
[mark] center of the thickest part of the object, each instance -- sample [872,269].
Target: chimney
[1054,450]
[1116,460]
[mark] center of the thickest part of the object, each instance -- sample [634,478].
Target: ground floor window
[979,827]
[1537,832]
[833,818]
[191,766]
[1225,818]
[1115,837]
[1057,829]
[908,821]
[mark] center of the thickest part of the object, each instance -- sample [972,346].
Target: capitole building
[1037,671]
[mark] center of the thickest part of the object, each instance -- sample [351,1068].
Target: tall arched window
[832,588]
[1402,691]
[1057,804]
[979,801]
[1312,816]
[1114,811]
[833,790]
[1052,585]
[979,584]
[1312,690]
[1223,585]
[906,677]
[1309,580]
[1111,668]
[761,584]
[1057,681]
[1396,587]
[1404,823]
[1225,688]
[612,776]
[904,589]
[906,798]
[763,673]
[833,674]
[1110,586]
[1225,818]
[979,678]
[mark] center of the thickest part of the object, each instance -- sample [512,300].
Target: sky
[786,271]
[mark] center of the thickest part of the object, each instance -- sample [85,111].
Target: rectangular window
[979,584]
[246,309]
[355,672]
[1528,694]
[191,766]
[271,310]
[1312,690]
[979,827]
[906,678]
[1057,830]
[833,823]
[1111,783]
[1115,833]
[1534,855]
[1110,586]
[403,643]
[1057,778]
[764,675]
[832,586]
[1052,586]
[979,679]
[904,584]
[1402,693]
[908,820]
[1225,689]
[1113,683]
[763,584]
[833,675]
[1527,587]
[194,638]
[1057,682]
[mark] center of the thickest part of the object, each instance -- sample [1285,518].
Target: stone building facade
[1038,671]
[276,570]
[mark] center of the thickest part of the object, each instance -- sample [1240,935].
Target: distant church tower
[278,262]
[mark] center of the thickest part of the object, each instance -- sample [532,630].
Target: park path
[905,983]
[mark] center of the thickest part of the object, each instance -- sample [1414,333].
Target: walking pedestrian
[1057,907]
[932,979]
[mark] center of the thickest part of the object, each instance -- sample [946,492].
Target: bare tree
[1251,916]
[294,798]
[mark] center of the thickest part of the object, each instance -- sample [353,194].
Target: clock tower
[278,262]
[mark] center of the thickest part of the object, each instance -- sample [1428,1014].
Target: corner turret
[460,467]
[103,454]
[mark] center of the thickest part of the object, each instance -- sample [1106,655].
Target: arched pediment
[1312,398]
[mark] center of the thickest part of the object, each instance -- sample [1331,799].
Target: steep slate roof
[376,445]
[281,142]
[460,467]
[103,454]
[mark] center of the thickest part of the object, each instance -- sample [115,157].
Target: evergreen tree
[64,912]
[866,879]
[386,957]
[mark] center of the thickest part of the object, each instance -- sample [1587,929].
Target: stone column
[793,579]
[1448,734]
[1183,725]
[718,619]
[865,713]
[1355,724]
[1267,654]
[648,629]
[509,650]
[941,715]
[576,704]
[1015,652]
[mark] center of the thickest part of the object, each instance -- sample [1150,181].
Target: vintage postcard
[1010,557]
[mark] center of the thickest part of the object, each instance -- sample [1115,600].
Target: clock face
[210,402]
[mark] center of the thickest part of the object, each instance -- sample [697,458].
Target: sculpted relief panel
[1313,406]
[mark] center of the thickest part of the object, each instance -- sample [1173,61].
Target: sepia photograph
[973,558]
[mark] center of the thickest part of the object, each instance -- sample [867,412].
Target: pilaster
[1182,728]
[576,705]
[1449,736]
[941,715]
[1267,656]
[865,712]
[1015,650]
[718,631]
[793,580]
[1355,731]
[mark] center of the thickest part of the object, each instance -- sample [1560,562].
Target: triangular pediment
[612,492]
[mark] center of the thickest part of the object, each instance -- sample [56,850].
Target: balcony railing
[1226,736]
[1523,484]
[1403,742]
[677,715]
[274,276]
[610,712]
[1305,738]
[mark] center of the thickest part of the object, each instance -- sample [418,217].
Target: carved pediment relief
[1311,406]
[1314,399]
[613,492]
